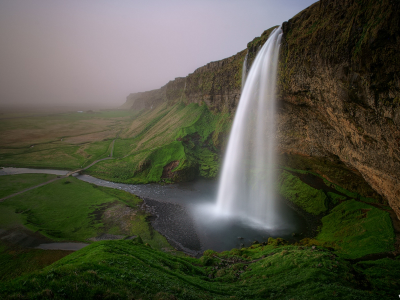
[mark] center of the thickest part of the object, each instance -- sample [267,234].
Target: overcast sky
[98,51]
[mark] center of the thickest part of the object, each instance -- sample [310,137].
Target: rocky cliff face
[339,92]
[217,84]
[340,88]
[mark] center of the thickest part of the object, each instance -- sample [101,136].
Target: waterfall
[244,70]
[246,187]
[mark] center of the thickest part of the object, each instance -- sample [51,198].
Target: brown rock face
[340,88]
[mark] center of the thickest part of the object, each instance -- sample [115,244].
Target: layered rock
[340,88]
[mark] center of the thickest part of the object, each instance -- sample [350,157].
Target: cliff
[216,84]
[339,93]
[340,89]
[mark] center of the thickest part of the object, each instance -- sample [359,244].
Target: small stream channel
[183,213]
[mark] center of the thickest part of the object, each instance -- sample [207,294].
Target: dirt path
[31,188]
[60,177]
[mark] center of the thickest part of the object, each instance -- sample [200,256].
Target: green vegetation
[381,274]
[358,229]
[311,200]
[334,172]
[167,144]
[63,141]
[17,261]
[10,184]
[130,270]
[353,228]
[73,210]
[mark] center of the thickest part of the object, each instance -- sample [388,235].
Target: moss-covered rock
[358,229]
[311,200]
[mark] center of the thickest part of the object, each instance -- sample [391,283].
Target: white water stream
[246,187]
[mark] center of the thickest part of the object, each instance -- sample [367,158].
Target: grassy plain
[10,184]
[73,210]
[63,141]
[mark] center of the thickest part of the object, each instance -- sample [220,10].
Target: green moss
[358,229]
[335,198]
[292,188]
[161,157]
[188,134]
[126,269]
[16,261]
[383,276]
[340,177]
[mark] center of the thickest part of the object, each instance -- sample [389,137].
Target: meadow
[59,141]
[67,210]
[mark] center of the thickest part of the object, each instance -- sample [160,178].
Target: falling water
[244,70]
[246,187]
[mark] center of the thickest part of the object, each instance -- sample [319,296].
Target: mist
[96,52]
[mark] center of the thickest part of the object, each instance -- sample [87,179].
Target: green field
[65,210]
[10,184]
[60,141]
[73,210]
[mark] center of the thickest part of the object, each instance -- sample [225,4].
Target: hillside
[131,270]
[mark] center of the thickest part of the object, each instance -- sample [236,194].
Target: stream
[184,214]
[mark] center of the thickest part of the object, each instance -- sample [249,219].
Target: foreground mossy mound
[130,270]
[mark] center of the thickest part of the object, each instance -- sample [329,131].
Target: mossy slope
[130,270]
[169,144]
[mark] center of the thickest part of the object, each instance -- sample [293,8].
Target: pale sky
[98,51]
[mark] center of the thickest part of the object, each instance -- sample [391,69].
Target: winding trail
[61,177]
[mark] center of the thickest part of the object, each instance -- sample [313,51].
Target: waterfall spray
[246,187]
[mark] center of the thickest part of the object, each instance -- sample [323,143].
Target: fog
[96,52]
